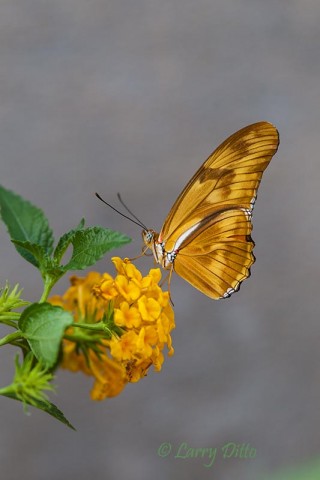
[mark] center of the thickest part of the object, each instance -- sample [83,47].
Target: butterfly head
[149,237]
[152,240]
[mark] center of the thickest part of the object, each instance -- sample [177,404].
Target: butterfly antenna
[129,211]
[140,224]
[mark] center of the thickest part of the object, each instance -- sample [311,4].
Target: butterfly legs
[168,279]
[143,253]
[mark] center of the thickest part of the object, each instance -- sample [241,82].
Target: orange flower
[127,316]
[134,335]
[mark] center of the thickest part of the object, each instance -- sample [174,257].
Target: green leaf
[65,241]
[43,326]
[10,298]
[90,244]
[25,223]
[46,406]
[37,253]
[81,224]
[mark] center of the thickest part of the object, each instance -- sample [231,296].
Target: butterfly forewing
[229,177]
[209,225]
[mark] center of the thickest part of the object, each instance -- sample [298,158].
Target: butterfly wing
[230,177]
[209,225]
[217,257]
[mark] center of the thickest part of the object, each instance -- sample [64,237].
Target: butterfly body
[206,237]
[153,241]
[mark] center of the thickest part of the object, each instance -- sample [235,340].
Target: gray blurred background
[131,96]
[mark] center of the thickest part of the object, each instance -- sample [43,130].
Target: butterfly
[206,237]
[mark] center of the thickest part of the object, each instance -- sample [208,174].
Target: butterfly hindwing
[218,258]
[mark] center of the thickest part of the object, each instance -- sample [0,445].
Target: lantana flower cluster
[137,318]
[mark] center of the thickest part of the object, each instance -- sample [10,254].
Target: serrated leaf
[46,406]
[51,268]
[25,222]
[43,326]
[90,244]
[55,272]
[81,224]
[37,252]
[65,241]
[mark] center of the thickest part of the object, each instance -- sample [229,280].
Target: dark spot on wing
[212,174]
[243,145]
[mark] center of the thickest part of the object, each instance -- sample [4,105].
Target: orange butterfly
[206,236]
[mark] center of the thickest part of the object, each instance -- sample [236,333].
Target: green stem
[7,390]
[81,338]
[21,345]
[90,326]
[10,315]
[48,284]
[8,322]
[11,337]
